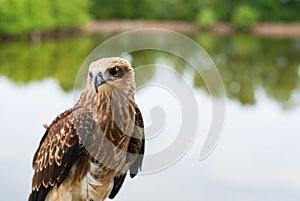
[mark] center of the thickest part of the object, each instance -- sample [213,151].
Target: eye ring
[114,71]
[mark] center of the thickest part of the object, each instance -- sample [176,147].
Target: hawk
[87,151]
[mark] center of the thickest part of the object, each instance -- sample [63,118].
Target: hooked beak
[98,81]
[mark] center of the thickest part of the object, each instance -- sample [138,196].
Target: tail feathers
[118,181]
[39,195]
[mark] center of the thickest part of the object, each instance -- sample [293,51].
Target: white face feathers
[111,72]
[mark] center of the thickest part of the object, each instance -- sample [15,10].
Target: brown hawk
[87,150]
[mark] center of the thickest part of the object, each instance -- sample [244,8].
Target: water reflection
[257,158]
[60,59]
[246,63]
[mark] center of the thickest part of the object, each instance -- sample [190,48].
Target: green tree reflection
[246,63]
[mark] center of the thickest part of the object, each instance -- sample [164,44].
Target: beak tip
[98,81]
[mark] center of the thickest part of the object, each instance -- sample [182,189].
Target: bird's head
[111,73]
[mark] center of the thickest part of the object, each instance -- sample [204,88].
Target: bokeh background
[254,44]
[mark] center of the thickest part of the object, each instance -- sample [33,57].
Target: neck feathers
[114,110]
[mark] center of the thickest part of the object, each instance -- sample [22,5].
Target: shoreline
[272,30]
[117,26]
[276,30]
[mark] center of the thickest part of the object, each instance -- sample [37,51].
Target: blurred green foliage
[24,16]
[147,9]
[242,13]
[61,59]
[207,17]
[24,62]
[246,63]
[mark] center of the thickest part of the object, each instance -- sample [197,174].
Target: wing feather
[59,149]
[137,143]
[136,148]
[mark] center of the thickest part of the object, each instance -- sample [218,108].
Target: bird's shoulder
[57,152]
[60,126]
[65,128]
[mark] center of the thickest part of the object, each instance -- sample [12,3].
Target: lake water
[256,159]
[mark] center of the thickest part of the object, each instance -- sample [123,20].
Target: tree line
[25,16]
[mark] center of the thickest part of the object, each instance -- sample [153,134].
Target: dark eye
[114,71]
[90,74]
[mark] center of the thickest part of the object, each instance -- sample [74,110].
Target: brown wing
[137,143]
[136,147]
[58,151]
